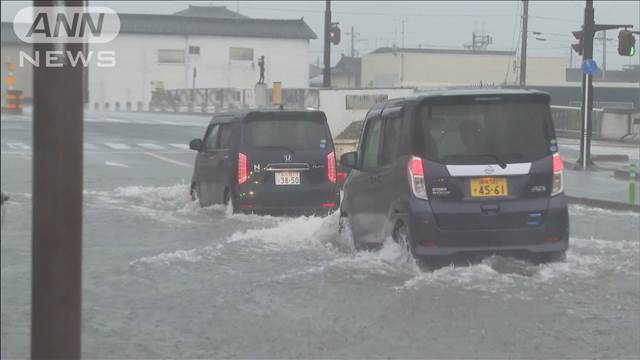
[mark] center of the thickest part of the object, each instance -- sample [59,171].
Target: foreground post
[57,203]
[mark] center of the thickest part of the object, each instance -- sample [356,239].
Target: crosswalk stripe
[117,146]
[19,146]
[180,146]
[151,146]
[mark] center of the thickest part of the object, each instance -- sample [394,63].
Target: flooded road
[164,278]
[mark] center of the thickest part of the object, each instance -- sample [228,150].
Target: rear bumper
[289,211]
[429,240]
[306,200]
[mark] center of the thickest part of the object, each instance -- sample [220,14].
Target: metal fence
[208,100]
[567,120]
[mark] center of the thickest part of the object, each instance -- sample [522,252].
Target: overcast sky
[431,24]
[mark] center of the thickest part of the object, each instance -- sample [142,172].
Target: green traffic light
[632,51]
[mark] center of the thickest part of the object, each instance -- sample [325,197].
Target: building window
[243,54]
[194,50]
[170,56]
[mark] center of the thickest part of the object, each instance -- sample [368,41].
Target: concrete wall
[138,67]
[441,70]
[615,125]
[333,103]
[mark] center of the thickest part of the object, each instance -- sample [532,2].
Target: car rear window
[476,132]
[295,131]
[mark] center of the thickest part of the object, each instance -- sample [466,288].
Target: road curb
[603,204]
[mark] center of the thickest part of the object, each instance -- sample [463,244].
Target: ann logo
[41,25]
[66,24]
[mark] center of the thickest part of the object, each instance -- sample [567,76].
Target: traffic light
[579,46]
[334,34]
[626,43]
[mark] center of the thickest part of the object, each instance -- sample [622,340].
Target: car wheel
[229,202]
[346,235]
[402,237]
[200,196]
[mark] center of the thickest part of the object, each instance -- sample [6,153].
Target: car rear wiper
[498,160]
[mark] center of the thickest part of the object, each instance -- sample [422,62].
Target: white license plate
[288,178]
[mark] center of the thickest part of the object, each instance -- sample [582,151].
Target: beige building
[387,67]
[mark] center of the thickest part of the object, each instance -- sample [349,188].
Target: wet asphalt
[164,278]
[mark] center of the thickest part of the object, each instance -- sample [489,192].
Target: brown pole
[57,203]
[326,72]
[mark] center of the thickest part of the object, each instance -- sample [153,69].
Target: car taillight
[331,167]
[558,167]
[243,172]
[416,177]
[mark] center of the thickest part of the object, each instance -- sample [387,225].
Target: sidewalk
[606,184]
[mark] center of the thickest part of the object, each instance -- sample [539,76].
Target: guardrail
[567,120]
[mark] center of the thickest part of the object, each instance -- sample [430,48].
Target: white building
[222,48]
[455,67]
[163,51]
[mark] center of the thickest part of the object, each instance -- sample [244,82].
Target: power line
[379,13]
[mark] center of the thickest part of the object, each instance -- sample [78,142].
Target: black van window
[225,135]
[211,139]
[294,131]
[476,132]
[371,144]
[391,139]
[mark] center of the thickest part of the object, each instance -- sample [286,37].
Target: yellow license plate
[489,186]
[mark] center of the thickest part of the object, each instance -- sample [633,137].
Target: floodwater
[165,278]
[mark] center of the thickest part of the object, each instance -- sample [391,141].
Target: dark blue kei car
[459,172]
[269,161]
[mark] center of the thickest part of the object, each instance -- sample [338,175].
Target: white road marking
[117,146]
[151,146]
[175,162]
[19,146]
[180,146]
[89,146]
[111,163]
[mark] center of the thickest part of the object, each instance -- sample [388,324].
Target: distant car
[267,161]
[455,172]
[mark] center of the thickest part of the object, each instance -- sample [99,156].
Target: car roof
[237,115]
[424,95]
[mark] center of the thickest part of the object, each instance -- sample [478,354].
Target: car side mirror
[349,160]
[195,144]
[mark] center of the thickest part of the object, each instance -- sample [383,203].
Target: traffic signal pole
[589,28]
[326,72]
[587,88]
[57,202]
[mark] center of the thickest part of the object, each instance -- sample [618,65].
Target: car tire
[228,198]
[199,196]
[402,236]
[345,233]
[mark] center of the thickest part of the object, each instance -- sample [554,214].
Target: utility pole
[523,53]
[56,284]
[326,77]
[353,35]
[403,20]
